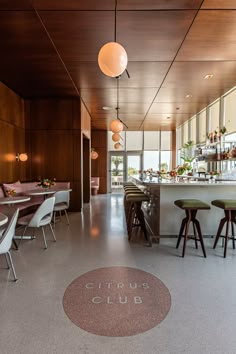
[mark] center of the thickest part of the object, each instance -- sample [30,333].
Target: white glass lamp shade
[116,126]
[116,137]
[117,146]
[94,155]
[112,59]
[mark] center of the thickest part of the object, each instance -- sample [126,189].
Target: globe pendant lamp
[117,146]
[116,126]
[116,137]
[112,59]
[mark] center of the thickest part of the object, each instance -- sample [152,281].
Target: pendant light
[112,57]
[117,146]
[116,137]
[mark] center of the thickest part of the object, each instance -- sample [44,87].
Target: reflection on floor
[203,311]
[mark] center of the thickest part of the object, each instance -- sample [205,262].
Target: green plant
[187,152]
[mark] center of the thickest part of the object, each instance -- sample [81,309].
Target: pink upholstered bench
[21,188]
[94,185]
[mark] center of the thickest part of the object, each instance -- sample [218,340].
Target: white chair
[62,203]
[6,241]
[41,218]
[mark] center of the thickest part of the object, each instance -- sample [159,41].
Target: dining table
[11,201]
[3,219]
[46,191]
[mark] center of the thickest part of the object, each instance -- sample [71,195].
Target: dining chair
[42,217]
[62,203]
[6,241]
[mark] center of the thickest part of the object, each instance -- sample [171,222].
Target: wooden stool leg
[232,229]
[226,238]
[200,236]
[183,224]
[222,222]
[186,232]
[195,235]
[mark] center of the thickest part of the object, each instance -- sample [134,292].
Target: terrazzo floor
[201,318]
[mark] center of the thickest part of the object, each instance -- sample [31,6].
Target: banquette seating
[21,188]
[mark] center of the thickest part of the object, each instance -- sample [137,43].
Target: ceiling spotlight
[107,108]
[188,96]
[208,76]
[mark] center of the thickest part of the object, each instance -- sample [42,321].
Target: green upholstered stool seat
[191,204]
[126,184]
[137,197]
[229,207]
[131,189]
[226,204]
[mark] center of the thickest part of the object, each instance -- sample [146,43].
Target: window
[202,126]
[214,115]
[151,160]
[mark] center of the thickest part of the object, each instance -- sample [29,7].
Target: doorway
[122,166]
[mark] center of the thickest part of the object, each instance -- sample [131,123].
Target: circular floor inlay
[116,301]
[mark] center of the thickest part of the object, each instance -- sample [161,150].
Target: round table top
[3,219]
[14,200]
[45,191]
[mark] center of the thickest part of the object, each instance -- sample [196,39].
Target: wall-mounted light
[94,154]
[21,157]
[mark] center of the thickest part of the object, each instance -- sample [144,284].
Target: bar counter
[163,218]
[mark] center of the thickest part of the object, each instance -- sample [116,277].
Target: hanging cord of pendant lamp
[117,108]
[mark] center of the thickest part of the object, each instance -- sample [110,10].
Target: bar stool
[229,207]
[191,206]
[135,214]
[128,203]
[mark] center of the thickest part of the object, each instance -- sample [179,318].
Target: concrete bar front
[164,218]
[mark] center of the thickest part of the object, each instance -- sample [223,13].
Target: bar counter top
[188,182]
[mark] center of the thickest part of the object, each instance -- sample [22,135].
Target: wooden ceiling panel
[74,4]
[157,36]
[178,94]
[15,5]
[157,119]
[219,4]
[175,107]
[171,46]
[142,75]
[190,76]
[29,64]
[158,5]
[211,37]
[79,35]
[108,97]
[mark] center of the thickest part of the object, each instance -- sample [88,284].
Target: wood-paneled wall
[12,136]
[55,141]
[99,166]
